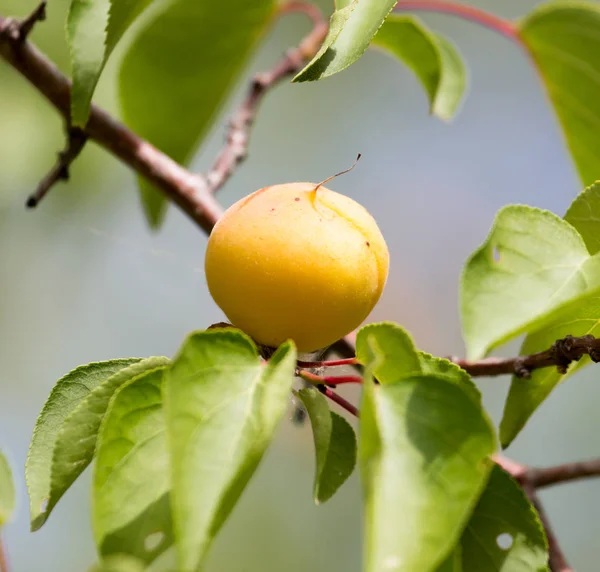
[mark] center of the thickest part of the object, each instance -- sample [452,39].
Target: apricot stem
[336,175]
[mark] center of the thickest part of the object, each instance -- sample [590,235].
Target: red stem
[327,392]
[330,363]
[329,379]
[503,27]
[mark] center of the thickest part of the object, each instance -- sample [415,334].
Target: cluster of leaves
[180,44]
[174,443]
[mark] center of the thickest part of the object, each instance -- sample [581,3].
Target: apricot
[296,261]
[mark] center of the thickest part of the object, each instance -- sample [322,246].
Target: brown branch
[76,140]
[236,149]
[560,355]
[191,192]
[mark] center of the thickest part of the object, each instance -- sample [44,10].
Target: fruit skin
[289,262]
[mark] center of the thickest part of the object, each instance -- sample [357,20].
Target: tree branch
[560,355]
[191,192]
[236,149]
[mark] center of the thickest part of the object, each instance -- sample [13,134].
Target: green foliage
[584,215]
[7,491]
[335,445]
[198,49]
[423,451]
[130,508]
[76,441]
[351,29]
[563,39]
[222,406]
[504,533]
[66,395]
[434,59]
[93,30]
[394,345]
[530,264]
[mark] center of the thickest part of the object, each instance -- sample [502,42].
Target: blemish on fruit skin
[297,199]
[368,244]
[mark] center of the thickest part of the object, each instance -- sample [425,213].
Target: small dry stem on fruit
[314,191]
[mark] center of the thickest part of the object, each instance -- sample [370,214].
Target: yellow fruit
[292,262]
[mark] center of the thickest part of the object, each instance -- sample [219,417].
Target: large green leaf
[530,264]
[577,318]
[563,39]
[423,448]
[434,59]
[76,441]
[66,395]
[179,71]
[130,502]
[223,406]
[335,445]
[7,491]
[94,28]
[584,215]
[504,533]
[351,29]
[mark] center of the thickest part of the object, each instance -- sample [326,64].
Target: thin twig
[336,398]
[18,29]
[236,149]
[491,21]
[548,476]
[76,140]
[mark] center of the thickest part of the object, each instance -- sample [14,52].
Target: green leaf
[504,533]
[584,215]
[423,452]
[223,406]
[179,71]
[335,445]
[453,563]
[66,395]
[434,59]
[76,441]
[563,39]
[130,504]
[7,491]
[445,369]
[532,262]
[398,358]
[119,563]
[396,348]
[579,317]
[94,28]
[351,29]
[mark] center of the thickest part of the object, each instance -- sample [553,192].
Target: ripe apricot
[294,262]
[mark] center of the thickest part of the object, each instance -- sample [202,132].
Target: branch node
[521,370]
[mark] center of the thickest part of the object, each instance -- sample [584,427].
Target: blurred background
[83,279]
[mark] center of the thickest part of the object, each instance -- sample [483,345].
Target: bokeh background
[83,279]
